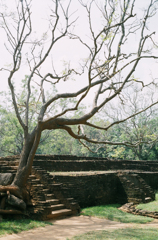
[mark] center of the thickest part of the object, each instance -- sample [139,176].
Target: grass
[16,226]
[121,234]
[112,213]
[151,206]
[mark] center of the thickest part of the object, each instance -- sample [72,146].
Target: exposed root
[11,211]
[13,200]
[12,189]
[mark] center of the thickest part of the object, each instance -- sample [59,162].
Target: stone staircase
[48,198]
[136,188]
[6,166]
[47,201]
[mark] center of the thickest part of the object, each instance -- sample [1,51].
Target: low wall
[93,165]
[95,189]
[98,189]
[92,190]
[151,179]
[72,163]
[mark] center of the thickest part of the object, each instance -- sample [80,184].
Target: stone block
[6,179]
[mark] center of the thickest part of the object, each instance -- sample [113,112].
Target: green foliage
[112,213]
[11,134]
[144,126]
[55,142]
[119,152]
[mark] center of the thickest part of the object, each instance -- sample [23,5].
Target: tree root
[10,211]
[13,196]
[12,189]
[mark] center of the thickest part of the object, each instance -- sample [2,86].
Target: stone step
[57,206]
[148,199]
[11,163]
[70,199]
[46,190]
[38,185]
[8,168]
[43,203]
[137,189]
[4,163]
[134,200]
[54,201]
[60,214]
[37,167]
[15,163]
[40,170]
[39,198]
[32,177]
[49,196]
[35,180]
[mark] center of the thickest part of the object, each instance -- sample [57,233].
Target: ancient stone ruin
[60,185]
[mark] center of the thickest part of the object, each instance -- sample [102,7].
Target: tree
[11,138]
[51,142]
[142,127]
[107,70]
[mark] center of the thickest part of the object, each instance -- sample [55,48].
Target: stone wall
[92,190]
[72,163]
[151,179]
[95,189]
[131,208]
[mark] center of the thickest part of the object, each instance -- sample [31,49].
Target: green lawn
[121,234]
[151,206]
[112,213]
[16,226]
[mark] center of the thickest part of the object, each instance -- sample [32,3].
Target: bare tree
[108,69]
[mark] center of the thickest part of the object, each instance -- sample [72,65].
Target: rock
[148,199]
[6,179]
[16,202]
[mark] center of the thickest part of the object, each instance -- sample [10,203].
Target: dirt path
[66,228]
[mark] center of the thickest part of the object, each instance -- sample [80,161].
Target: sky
[69,50]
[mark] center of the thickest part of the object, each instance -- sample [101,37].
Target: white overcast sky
[69,50]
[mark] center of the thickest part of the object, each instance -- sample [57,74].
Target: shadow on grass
[120,234]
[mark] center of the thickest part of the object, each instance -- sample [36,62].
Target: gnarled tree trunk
[17,194]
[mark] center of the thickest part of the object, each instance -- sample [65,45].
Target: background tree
[105,72]
[142,127]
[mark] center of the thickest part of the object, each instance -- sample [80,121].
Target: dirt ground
[69,227]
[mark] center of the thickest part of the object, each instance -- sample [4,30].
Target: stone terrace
[62,184]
